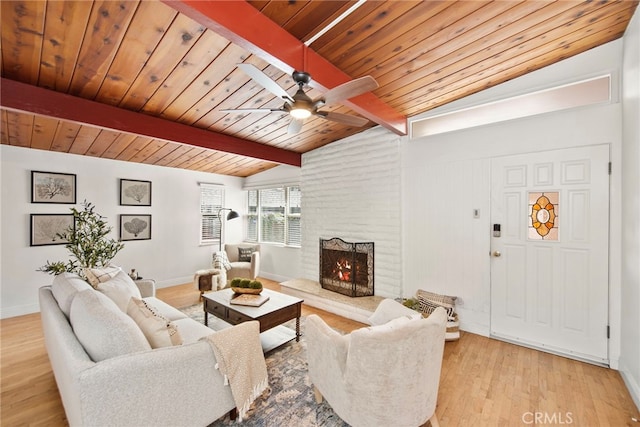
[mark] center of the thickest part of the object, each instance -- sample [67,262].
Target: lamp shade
[231,215]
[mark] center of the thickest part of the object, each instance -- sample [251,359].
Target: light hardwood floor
[484,382]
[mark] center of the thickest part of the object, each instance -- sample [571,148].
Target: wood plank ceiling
[165,74]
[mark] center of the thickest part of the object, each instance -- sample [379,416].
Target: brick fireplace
[347,268]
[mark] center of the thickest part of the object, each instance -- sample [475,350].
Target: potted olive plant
[87,242]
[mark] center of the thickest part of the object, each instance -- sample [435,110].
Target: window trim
[258,217]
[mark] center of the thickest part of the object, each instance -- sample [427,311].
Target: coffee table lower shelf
[275,337]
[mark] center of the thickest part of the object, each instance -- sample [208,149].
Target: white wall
[630,289]
[447,176]
[171,256]
[351,189]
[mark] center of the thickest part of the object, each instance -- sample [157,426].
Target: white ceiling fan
[300,106]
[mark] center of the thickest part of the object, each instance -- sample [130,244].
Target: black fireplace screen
[346,268]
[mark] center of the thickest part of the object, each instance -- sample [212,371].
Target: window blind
[211,200]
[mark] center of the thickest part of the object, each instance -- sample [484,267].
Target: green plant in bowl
[246,286]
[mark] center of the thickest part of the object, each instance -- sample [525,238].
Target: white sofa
[137,386]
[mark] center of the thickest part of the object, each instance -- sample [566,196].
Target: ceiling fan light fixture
[300,113]
[300,106]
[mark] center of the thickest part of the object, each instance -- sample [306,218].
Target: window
[274,216]
[211,201]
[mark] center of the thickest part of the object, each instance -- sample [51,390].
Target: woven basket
[453,329]
[445,300]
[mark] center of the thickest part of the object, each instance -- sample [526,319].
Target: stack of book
[250,300]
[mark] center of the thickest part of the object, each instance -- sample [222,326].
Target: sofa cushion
[102,328]
[64,287]
[389,309]
[120,289]
[96,276]
[191,330]
[159,331]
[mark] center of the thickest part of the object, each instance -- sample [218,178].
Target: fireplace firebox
[346,268]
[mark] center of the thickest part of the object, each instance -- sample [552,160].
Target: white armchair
[242,268]
[381,375]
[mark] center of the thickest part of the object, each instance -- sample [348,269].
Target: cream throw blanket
[220,261]
[241,361]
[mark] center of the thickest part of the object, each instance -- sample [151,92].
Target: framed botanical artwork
[46,229]
[135,227]
[135,193]
[53,187]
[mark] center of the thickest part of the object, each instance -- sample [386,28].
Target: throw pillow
[99,275]
[65,286]
[159,331]
[440,299]
[103,330]
[244,254]
[390,325]
[427,306]
[120,289]
[388,309]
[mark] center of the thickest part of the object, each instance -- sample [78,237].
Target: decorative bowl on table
[246,286]
[246,290]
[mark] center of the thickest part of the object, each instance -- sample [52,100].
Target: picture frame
[135,192]
[53,187]
[45,228]
[135,227]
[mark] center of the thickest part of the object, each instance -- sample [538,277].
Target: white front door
[549,265]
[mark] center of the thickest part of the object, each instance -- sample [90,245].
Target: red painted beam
[244,25]
[27,98]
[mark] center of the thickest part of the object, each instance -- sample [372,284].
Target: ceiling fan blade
[251,110]
[345,119]
[350,89]
[295,126]
[264,80]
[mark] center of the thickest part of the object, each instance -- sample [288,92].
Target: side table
[147,287]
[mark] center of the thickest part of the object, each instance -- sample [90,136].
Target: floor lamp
[231,215]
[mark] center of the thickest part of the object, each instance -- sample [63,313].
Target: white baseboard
[19,310]
[632,384]
[473,322]
[172,282]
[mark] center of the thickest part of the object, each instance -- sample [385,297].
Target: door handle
[496,254]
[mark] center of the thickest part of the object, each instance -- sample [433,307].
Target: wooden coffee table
[280,308]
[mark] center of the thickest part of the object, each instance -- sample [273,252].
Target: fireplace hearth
[346,268]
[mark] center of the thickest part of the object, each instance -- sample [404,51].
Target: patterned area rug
[290,400]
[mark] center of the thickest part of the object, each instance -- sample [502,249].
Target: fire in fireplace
[346,268]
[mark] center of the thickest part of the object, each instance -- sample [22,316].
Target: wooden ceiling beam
[27,98]
[244,25]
